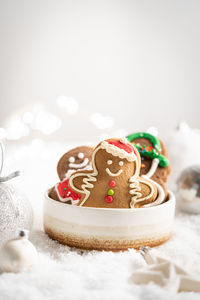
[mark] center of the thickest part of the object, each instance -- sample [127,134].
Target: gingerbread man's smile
[113,174]
[109,162]
[84,163]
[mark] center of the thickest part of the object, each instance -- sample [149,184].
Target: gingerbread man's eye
[80,155]
[121,163]
[109,162]
[71,159]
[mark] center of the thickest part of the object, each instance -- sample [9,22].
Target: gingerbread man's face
[75,159]
[109,165]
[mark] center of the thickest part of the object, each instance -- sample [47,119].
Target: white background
[137,61]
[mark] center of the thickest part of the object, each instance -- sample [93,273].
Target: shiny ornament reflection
[16,211]
[188,186]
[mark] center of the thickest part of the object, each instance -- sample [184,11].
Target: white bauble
[15,211]
[18,255]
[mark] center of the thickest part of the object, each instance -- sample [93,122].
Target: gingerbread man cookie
[154,155]
[76,159]
[114,180]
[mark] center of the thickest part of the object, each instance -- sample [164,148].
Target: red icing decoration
[109,199]
[126,147]
[112,183]
[65,192]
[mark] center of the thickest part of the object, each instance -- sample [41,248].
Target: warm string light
[38,118]
[68,103]
[19,126]
[102,122]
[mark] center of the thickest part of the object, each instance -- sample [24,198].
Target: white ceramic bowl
[108,229]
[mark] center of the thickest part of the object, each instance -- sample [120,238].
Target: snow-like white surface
[65,273]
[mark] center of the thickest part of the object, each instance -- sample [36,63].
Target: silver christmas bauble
[15,212]
[188,190]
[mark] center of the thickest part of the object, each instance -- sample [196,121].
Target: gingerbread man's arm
[143,191]
[76,180]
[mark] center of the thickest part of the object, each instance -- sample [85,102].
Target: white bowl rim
[166,203]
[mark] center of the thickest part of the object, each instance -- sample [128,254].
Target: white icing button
[71,159]
[109,162]
[80,155]
[121,163]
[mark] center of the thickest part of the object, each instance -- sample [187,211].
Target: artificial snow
[65,273]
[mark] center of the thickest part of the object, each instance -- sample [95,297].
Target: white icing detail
[135,190]
[121,163]
[80,155]
[71,171]
[116,151]
[124,140]
[74,202]
[71,159]
[113,174]
[109,162]
[81,165]
[87,180]
[161,195]
[154,165]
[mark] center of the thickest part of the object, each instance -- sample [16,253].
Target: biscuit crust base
[106,245]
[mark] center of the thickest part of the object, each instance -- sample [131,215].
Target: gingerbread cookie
[114,180]
[76,159]
[62,192]
[154,155]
